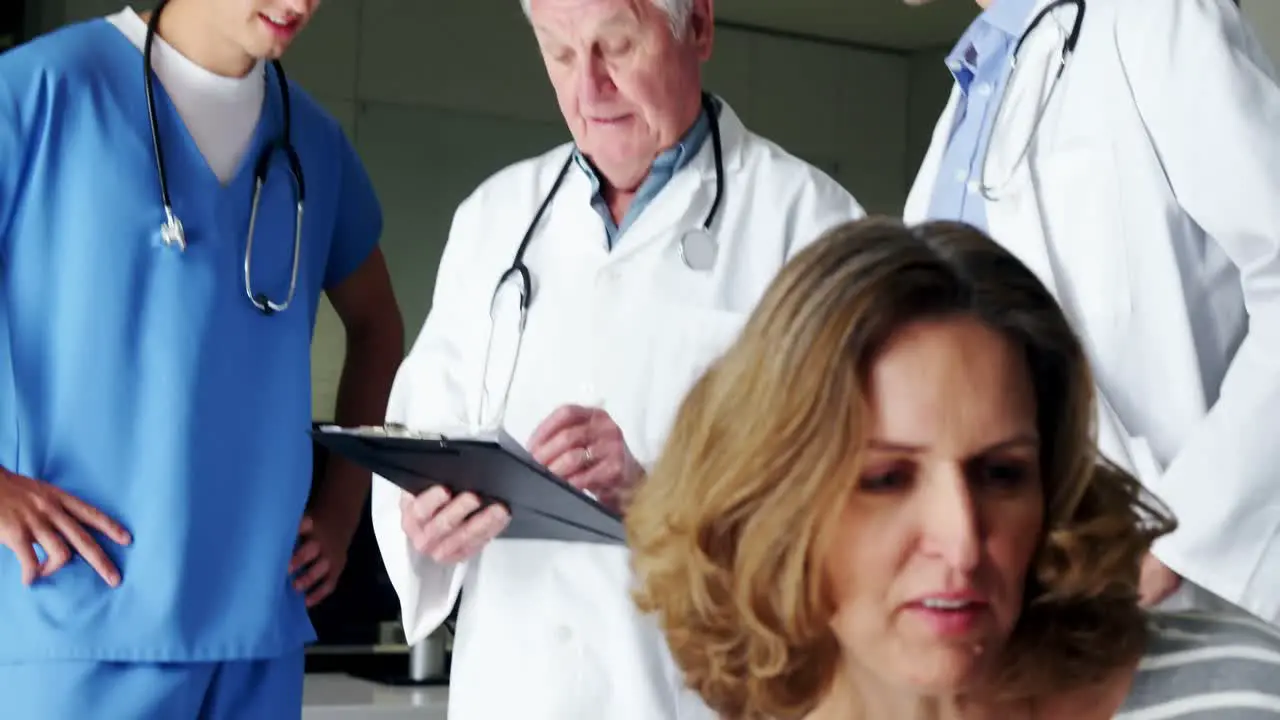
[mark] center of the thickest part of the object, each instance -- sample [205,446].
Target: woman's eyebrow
[1019,440]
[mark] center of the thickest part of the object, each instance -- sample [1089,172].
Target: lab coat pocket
[682,342]
[1080,197]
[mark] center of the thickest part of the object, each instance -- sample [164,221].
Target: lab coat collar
[684,201]
[732,139]
[1035,11]
[732,135]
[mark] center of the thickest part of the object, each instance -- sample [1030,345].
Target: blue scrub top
[140,378]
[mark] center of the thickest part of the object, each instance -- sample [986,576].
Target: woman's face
[930,558]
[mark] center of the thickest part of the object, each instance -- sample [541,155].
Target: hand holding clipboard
[451,528]
[491,467]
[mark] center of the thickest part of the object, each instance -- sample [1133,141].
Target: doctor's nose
[950,521]
[595,84]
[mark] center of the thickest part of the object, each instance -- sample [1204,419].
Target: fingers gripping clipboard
[492,466]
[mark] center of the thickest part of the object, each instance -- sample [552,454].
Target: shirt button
[984,89]
[563,634]
[972,185]
[962,175]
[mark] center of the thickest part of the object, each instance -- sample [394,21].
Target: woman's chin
[941,670]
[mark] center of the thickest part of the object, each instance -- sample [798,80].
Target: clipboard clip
[390,430]
[399,430]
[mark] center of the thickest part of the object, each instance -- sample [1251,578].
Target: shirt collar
[670,160]
[992,33]
[1008,16]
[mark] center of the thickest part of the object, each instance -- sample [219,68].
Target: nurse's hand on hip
[319,558]
[35,512]
[585,447]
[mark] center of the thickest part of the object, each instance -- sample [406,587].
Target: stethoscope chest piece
[698,249]
[171,232]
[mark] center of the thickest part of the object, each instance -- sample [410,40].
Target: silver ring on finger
[588,459]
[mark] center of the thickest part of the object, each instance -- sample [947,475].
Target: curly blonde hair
[728,533]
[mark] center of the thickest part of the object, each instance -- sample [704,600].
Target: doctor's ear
[702,27]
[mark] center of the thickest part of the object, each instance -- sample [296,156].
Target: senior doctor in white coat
[1148,199]
[623,318]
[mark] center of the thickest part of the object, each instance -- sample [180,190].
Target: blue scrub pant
[73,690]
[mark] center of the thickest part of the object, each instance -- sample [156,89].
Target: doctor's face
[932,552]
[627,86]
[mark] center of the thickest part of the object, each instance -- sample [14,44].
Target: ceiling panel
[879,23]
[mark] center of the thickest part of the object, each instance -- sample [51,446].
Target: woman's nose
[952,528]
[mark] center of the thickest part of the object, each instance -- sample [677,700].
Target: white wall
[438,94]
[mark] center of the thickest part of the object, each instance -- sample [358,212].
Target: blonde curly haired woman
[884,501]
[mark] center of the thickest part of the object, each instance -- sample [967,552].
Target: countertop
[335,696]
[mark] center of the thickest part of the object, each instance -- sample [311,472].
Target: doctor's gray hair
[678,13]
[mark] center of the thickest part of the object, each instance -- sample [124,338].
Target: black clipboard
[543,506]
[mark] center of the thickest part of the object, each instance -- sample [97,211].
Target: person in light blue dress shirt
[980,64]
[1146,208]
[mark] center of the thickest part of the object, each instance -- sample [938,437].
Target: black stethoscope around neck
[172,232]
[698,251]
[993,190]
[697,246]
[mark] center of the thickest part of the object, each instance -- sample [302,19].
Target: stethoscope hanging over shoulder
[992,190]
[697,246]
[172,232]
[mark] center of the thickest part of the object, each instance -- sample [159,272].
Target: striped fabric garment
[1207,667]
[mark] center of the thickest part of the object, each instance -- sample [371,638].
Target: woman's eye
[1002,474]
[893,479]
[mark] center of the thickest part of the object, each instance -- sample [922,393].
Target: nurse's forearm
[370,368]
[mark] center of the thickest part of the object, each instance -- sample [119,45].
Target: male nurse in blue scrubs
[155,466]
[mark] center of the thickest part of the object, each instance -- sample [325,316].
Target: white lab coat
[547,629]
[1149,206]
